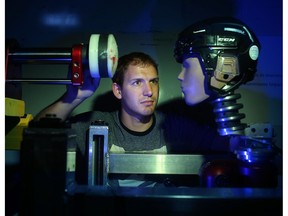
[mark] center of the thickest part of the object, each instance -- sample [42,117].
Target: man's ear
[116,90]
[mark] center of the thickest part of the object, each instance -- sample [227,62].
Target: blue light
[61,20]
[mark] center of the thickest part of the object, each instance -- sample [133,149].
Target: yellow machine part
[16,108]
[14,138]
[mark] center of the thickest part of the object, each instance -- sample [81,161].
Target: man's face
[192,81]
[140,90]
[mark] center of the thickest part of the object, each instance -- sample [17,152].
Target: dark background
[150,26]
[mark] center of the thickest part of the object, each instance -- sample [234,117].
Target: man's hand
[86,90]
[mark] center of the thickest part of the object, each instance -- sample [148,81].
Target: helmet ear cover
[226,68]
[216,65]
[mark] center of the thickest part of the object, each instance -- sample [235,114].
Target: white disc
[93,55]
[103,55]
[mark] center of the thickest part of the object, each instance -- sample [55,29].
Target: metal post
[97,154]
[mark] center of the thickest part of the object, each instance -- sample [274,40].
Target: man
[136,126]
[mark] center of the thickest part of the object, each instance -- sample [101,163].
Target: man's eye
[136,83]
[156,81]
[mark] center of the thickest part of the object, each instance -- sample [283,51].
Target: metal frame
[101,163]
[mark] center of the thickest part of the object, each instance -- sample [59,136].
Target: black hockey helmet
[227,49]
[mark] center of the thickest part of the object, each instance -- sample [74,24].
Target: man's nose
[148,90]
